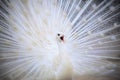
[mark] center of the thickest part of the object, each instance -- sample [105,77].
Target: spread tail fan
[59,40]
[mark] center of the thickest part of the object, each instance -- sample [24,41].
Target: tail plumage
[59,39]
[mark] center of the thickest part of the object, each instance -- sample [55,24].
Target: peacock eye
[58,34]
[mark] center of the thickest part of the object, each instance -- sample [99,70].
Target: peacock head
[60,37]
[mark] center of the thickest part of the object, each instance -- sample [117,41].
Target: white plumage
[58,39]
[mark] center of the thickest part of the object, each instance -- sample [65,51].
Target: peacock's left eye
[58,34]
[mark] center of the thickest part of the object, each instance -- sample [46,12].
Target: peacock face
[61,37]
